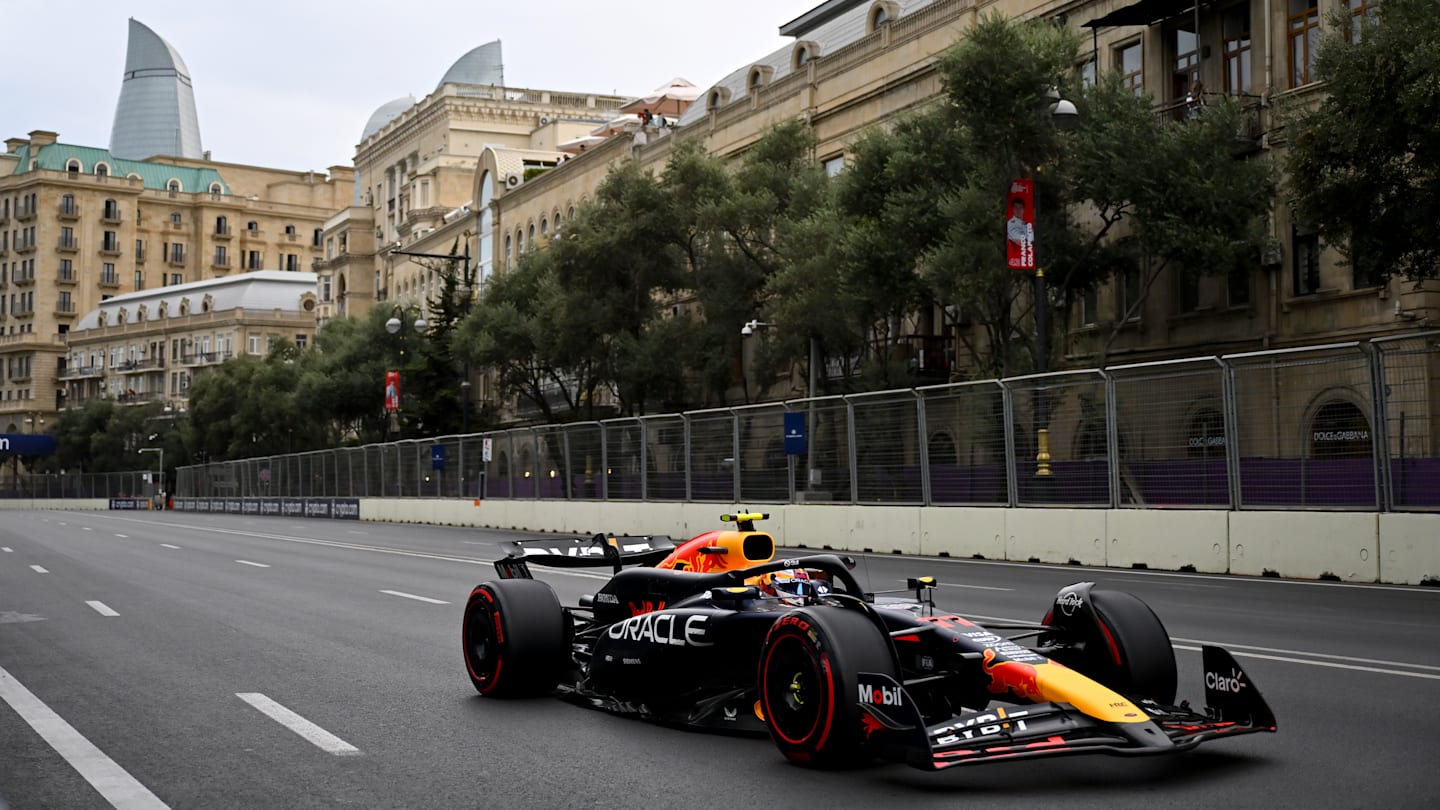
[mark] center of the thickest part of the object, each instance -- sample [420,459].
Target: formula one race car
[717,634]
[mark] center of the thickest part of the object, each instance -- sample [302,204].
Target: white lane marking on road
[404,595]
[8,550]
[102,608]
[1305,653]
[257,565]
[113,783]
[316,735]
[39,569]
[167,545]
[352,531]
[117,534]
[1239,650]
[86,529]
[972,587]
[1330,664]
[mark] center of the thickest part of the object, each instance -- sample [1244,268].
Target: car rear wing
[600,550]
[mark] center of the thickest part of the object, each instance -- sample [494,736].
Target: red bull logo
[1020,680]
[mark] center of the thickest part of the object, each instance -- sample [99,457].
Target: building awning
[1144,12]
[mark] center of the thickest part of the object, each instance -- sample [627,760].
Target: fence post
[922,429]
[851,457]
[689,460]
[1112,438]
[1230,414]
[1007,411]
[1380,428]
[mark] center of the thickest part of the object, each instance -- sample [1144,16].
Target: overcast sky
[289,84]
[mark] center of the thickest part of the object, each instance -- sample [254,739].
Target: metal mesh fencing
[965,443]
[1344,426]
[137,484]
[823,472]
[1410,375]
[764,467]
[665,457]
[887,459]
[1304,436]
[585,457]
[1066,414]
[624,459]
[1168,427]
[713,454]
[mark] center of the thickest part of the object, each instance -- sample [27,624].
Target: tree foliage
[1365,165]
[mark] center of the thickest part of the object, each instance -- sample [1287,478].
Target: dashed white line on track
[8,550]
[39,569]
[112,782]
[126,536]
[102,608]
[86,529]
[167,545]
[404,595]
[257,565]
[312,733]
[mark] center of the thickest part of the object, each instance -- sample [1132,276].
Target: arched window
[73,166]
[530,233]
[714,100]
[173,186]
[222,225]
[881,12]
[570,215]
[102,170]
[802,53]
[544,226]
[216,190]
[175,217]
[508,247]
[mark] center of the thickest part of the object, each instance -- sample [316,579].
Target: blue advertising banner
[795,433]
[26,444]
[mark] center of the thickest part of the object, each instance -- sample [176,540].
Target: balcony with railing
[69,210]
[177,258]
[110,281]
[24,212]
[111,216]
[222,232]
[82,372]
[220,263]
[65,309]
[142,364]
[110,249]
[23,246]
[67,275]
[204,358]
[67,244]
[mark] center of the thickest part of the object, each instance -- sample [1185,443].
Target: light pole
[160,477]
[1063,115]
[463,291]
[749,329]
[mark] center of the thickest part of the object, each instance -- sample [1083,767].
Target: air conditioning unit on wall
[546,120]
[514,179]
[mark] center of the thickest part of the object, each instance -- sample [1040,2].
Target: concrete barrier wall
[1410,548]
[68,504]
[1352,546]
[1307,545]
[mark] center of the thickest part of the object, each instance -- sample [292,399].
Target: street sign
[437,456]
[485,448]
[795,433]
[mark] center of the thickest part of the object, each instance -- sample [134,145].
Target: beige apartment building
[79,226]
[856,64]
[148,346]
[416,186]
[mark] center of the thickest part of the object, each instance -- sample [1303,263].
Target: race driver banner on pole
[1020,226]
[392,391]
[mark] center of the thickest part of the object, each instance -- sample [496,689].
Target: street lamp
[160,478]
[463,291]
[1063,115]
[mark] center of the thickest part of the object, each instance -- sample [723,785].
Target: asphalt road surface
[154,660]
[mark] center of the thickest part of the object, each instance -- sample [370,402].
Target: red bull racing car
[717,634]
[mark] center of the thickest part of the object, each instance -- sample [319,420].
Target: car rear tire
[514,638]
[1129,651]
[808,679]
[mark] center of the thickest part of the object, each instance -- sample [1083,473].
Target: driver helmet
[794,587]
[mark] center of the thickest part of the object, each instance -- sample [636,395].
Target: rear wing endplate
[600,550]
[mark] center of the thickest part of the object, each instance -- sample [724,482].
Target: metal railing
[134,484]
[1352,426]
